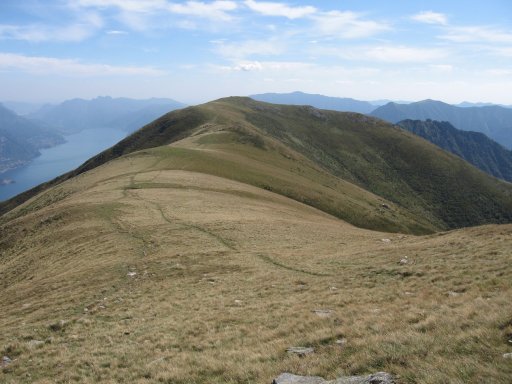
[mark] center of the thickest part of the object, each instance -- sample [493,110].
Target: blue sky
[195,51]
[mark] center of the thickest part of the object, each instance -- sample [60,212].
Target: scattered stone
[404,260]
[386,240]
[132,274]
[384,206]
[238,302]
[322,312]
[301,351]
[333,288]
[453,294]
[35,343]
[58,326]
[6,361]
[26,305]
[377,378]
[507,355]
[408,293]
[341,342]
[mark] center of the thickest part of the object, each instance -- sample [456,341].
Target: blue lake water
[58,160]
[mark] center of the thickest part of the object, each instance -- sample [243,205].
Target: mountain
[317,101]
[104,112]
[493,121]
[332,154]
[20,139]
[204,246]
[22,108]
[474,147]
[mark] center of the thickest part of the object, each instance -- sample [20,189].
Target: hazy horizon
[197,51]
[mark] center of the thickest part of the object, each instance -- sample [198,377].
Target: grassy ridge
[429,189]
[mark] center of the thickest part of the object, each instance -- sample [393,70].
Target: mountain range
[342,104]
[75,115]
[21,139]
[474,147]
[494,121]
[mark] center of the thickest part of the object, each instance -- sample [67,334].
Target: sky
[196,51]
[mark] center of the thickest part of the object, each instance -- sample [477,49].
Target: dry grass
[228,276]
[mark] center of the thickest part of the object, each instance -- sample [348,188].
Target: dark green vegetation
[20,139]
[494,121]
[104,112]
[474,147]
[341,163]
[341,104]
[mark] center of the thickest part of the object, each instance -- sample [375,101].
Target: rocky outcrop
[376,378]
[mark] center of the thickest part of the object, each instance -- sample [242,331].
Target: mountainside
[342,104]
[20,139]
[104,112]
[494,121]
[474,147]
[204,246]
[370,163]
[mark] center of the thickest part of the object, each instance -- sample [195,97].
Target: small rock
[301,351]
[322,312]
[385,206]
[453,293]
[131,274]
[386,240]
[238,302]
[404,260]
[377,378]
[507,355]
[288,378]
[341,342]
[333,288]
[35,343]
[6,361]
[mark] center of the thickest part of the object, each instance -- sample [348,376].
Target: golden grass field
[154,269]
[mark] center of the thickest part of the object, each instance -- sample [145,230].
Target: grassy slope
[227,277]
[430,189]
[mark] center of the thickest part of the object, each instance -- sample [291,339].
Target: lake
[59,159]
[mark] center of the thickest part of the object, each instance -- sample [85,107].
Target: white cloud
[441,67]
[499,72]
[244,49]
[134,12]
[116,32]
[390,54]
[269,66]
[347,25]
[87,26]
[430,17]
[49,65]
[217,10]
[472,34]
[280,9]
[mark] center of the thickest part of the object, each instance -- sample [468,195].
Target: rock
[322,312]
[384,206]
[35,343]
[288,378]
[386,240]
[377,378]
[507,355]
[131,274]
[341,342]
[301,351]
[453,294]
[6,361]
[404,260]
